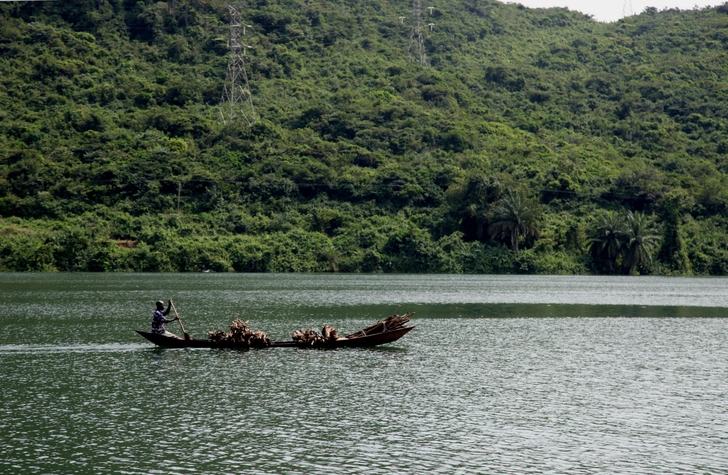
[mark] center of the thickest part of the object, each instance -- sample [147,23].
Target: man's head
[160,305]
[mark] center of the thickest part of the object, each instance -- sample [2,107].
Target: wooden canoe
[375,339]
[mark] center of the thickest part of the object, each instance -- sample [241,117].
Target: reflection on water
[480,386]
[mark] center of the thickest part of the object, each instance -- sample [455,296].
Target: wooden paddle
[187,337]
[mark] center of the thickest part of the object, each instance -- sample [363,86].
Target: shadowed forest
[535,140]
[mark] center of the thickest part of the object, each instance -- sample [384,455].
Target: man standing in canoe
[158,319]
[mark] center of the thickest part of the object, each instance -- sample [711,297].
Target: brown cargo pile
[313,337]
[393,322]
[240,334]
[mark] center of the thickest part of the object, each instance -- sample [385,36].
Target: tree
[514,217]
[672,251]
[607,239]
[642,237]
[480,191]
[469,200]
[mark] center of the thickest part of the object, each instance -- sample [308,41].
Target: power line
[121,181]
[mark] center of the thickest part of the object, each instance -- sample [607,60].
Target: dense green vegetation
[531,133]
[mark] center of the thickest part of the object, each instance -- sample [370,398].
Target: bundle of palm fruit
[312,337]
[240,334]
[392,322]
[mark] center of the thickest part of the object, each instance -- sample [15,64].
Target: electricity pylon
[417,43]
[627,9]
[237,99]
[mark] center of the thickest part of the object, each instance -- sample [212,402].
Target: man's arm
[166,312]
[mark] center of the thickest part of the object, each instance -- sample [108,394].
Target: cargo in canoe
[358,339]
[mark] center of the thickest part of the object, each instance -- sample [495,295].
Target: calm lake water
[504,374]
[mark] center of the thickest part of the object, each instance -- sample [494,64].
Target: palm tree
[515,217]
[642,237]
[608,238]
[480,216]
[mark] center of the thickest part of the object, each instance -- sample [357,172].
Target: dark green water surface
[504,374]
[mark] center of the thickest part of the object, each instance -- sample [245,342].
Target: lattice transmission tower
[627,9]
[417,43]
[237,99]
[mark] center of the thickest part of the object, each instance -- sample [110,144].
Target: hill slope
[361,160]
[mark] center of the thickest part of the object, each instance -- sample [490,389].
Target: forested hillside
[536,140]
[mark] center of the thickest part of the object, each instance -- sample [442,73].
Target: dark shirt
[158,322]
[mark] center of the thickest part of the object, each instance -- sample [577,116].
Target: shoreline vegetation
[537,141]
